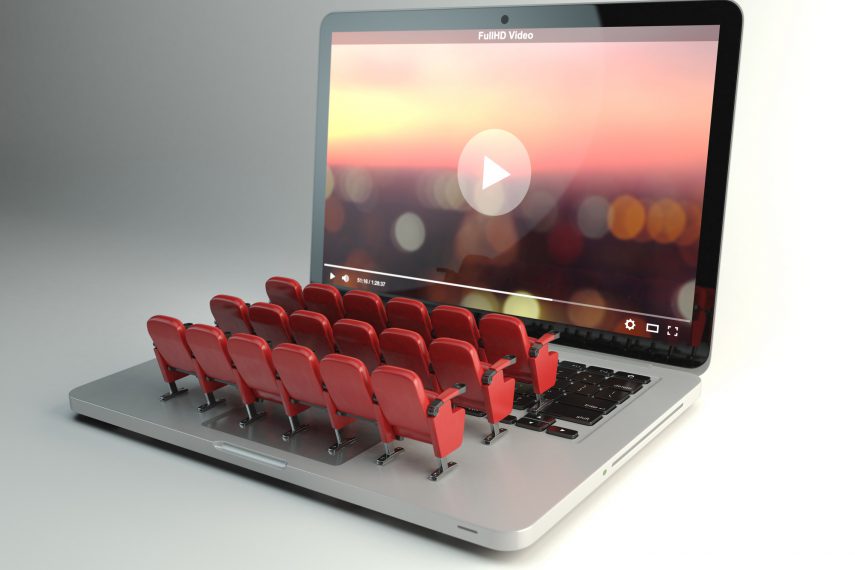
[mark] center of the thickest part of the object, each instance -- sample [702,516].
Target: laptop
[562,165]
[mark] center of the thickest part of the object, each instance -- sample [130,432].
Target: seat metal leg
[296,427]
[389,454]
[539,403]
[252,415]
[340,442]
[211,401]
[173,391]
[444,467]
[495,433]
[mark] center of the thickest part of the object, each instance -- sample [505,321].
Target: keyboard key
[600,370]
[589,390]
[476,413]
[524,401]
[532,424]
[541,417]
[630,376]
[554,393]
[588,377]
[613,394]
[562,432]
[574,414]
[508,420]
[630,386]
[596,404]
[569,365]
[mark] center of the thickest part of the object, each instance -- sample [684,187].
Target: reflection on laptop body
[516,207]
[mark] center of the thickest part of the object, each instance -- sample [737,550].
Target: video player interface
[555,174]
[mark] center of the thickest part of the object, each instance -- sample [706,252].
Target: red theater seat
[349,389]
[270,322]
[313,330]
[214,364]
[171,351]
[251,356]
[324,299]
[536,364]
[407,349]
[365,306]
[420,414]
[411,315]
[358,339]
[459,323]
[300,376]
[487,388]
[231,314]
[285,292]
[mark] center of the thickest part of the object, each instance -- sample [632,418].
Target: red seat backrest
[271,323]
[455,322]
[349,391]
[324,299]
[456,362]
[252,358]
[504,334]
[230,314]
[411,315]
[358,339]
[403,401]
[209,347]
[365,306]
[169,338]
[312,330]
[406,349]
[299,373]
[285,292]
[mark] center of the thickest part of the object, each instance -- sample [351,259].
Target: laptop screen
[555,174]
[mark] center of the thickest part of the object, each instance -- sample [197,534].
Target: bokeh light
[565,243]
[666,221]
[592,217]
[684,299]
[333,215]
[588,317]
[626,217]
[409,232]
[357,186]
[522,306]
[330,183]
[481,300]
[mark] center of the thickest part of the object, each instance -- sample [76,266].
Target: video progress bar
[500,292]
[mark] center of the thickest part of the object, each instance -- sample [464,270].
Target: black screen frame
[723,13]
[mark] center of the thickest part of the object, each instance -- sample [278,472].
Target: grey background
[155,153]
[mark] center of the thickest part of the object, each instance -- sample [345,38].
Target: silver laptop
[562,164]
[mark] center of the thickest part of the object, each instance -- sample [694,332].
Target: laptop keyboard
[582,395]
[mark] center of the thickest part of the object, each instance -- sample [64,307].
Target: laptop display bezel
[723,13]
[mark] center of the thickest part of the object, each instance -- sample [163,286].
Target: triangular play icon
[332,275]
[493,173]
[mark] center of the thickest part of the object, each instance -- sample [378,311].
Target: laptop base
[502,496]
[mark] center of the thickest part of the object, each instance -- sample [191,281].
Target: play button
[494,172]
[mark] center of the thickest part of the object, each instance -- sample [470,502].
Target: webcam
[505,19]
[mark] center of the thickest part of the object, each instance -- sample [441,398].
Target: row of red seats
[292,374]
[321,318]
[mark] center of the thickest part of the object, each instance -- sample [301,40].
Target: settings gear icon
[629,324]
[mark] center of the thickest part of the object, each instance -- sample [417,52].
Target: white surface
[759,472]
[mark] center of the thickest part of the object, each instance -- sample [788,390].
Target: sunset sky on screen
[633,108]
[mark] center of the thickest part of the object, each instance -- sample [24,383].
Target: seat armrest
[543,341]
[501,364]
[444,396]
